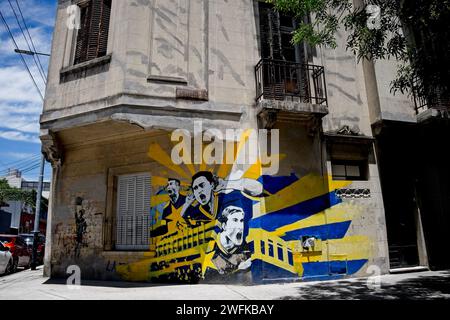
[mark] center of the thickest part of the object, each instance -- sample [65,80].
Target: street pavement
[31,284]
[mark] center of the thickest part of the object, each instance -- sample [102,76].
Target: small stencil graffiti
[80,224]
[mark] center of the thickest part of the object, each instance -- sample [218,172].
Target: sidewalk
[419,285]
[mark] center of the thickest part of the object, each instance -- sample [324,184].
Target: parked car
[6,260]
[19,250]
[28,238]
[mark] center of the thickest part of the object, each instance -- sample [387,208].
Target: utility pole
[37,214]
[40,181]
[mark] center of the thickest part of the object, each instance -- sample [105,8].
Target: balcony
[430,104]
[290,81]
[295,89]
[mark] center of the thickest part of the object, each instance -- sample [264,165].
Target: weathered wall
[156,48]
[193,45]
[300,201]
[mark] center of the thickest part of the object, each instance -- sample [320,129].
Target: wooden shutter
[133,212]
[83,33]
[92,38]
[269,26]
[264,31]
[276,50]
[104,28]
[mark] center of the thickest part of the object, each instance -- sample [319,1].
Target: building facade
[135,73]
[17,216]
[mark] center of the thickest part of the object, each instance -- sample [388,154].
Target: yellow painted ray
[338,213]
[256,170]
[158,199]
[156,153]
[224,169]
[241,163]
[158,181]
[190,168]
[307,188]
[229,157]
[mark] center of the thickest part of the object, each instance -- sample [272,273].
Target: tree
[415,32]
[8,193]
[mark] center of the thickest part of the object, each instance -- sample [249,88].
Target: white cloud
[17,155]
[34,11]
[19,136]
[20,102]
[20,123]
[21,108]
[16,85]
[20,105]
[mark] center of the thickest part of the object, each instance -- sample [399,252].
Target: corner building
[135,71]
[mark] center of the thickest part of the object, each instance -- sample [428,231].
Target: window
[92,37]
[349,170]
[133,212]
[276,34]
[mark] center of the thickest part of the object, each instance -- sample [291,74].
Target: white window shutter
[133,212]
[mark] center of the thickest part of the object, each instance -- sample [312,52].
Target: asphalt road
[30,284]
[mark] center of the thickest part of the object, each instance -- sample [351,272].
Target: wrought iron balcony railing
[431,98]
[290,81]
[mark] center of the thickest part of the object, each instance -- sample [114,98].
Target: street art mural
[225,223]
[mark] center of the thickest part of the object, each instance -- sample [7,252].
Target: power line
[20,164]
[26,40]
[16,162]
[39,64]
[31,168]
[25,168]
[23,60]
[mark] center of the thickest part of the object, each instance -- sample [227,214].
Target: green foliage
[8,193]
[423,64]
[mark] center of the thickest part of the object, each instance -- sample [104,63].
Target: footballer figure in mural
[232,255]
[172,209]
[171,212]
[208,192]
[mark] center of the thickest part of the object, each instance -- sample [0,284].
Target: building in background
[136,71]
[17,214]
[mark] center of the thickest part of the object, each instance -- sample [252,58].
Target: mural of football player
[176,200]
[171,212]
[231,253]
[203,203]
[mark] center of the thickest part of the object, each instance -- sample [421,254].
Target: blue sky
[20,103]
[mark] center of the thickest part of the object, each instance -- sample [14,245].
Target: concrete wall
[194,45]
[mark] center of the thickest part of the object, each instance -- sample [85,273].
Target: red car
[19,250]
[28,238]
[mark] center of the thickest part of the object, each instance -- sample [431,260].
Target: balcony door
[284,64]
[276,34]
